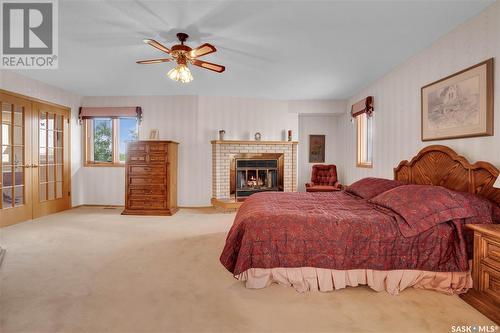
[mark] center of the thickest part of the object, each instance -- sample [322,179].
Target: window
[365,141]
[106,140]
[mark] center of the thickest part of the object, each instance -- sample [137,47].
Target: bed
[387,234]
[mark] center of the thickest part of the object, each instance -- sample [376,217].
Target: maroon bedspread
[336,230]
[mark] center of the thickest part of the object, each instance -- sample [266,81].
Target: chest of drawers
[485,295]
[151,178]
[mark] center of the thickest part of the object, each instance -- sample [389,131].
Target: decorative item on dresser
[151,178]
[154,134]
[485,295]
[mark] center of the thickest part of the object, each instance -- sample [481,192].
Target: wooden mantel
[252,142]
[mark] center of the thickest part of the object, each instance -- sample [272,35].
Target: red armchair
[323,179]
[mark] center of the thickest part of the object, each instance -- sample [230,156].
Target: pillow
[496,214]
[370,187]
[424,206]
[484,209]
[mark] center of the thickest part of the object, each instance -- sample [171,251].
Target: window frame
[115,142]
[363,135]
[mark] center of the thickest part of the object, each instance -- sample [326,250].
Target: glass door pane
[7,160]
[51,166]
[13,152]
[19,153]
[58,155]
[15,203]
[42,156]
[50,158]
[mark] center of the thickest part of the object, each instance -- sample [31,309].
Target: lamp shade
[180,73]
[497,182]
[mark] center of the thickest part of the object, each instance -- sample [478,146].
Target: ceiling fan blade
[157,45]
[208,65]
[154,61]
[202,50]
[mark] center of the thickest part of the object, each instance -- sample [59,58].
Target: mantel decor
[460,105]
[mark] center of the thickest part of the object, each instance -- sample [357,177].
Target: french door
[34,140]
[17,202]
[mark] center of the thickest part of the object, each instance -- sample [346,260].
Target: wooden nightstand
[485,294]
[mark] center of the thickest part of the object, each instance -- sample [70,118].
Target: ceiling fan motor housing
[182,37]
[179,49]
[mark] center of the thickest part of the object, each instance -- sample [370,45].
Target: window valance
[363,106]
[110,112]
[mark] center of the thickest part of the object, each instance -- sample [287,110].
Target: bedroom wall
[191,120]
[20,84]
[314,124]
[194,121]
[397,100]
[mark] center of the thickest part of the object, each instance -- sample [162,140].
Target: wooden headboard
[442,166]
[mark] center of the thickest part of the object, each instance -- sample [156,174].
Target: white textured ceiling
[271,49]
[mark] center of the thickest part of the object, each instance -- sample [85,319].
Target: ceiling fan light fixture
[183,55]
[181,73]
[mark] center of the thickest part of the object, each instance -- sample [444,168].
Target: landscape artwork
[459,105]
[316,149]
[454,105]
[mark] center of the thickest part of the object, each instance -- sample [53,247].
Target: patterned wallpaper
[397,100]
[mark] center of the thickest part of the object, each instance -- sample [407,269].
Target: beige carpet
[93,270]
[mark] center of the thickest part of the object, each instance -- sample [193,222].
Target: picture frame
[316,148]
[459,105]
[154,134]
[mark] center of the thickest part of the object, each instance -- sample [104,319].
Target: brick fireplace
[255,172]
[240,168]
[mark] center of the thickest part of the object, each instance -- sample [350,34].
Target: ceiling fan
[183,55]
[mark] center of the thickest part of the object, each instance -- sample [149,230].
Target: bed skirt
[319,279]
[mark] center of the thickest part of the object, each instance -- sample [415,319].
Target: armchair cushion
[323,179]
[324,174]
[322,188]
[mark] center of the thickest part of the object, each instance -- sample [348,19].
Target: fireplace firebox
[252,173]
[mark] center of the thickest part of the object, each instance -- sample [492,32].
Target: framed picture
[460,105]
[316,149]
[154,134]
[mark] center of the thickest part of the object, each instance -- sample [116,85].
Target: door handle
[34,165]
[27,166]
